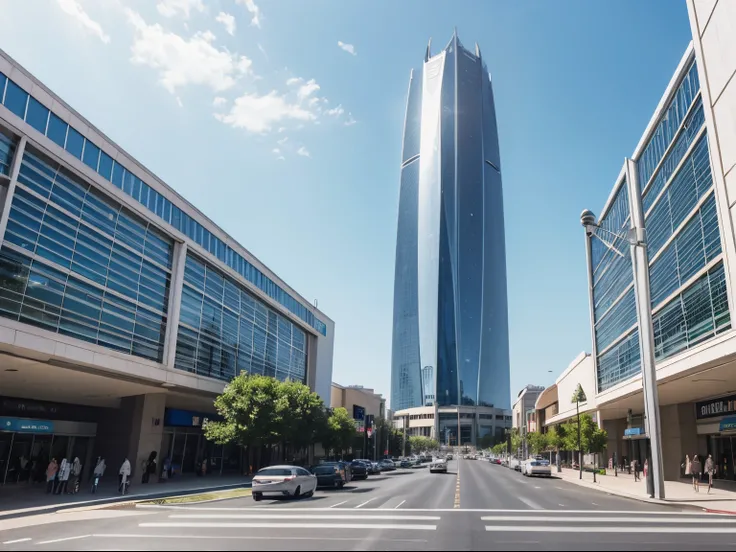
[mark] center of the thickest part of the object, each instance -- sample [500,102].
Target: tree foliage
[538,442]
[341,431]
[592,438]
[418,444]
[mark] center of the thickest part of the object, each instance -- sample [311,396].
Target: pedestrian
[696,471]
[123,475]
[710,469]
[687,465]
[635,469]
[65,470]
[646,467]
[98,473]
[51,472]
[76,473]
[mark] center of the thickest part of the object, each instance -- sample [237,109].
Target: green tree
[516,441]
[499,449]
[341,430]
[538,442]
[578,396]
[486,441]
[302,415]
[556,438]
[249,405]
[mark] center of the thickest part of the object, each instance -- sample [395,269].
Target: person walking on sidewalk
[696,470]
[635,469]
[710,469]
[686,465]
[65,470]
[98,473]
[51,471]
[124,474]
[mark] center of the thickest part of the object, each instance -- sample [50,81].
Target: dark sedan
[359,469]
[329,476]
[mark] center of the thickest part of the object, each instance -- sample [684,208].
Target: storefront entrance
[722,448]
[27,446]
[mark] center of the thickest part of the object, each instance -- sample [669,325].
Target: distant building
[359,401]
[525,401]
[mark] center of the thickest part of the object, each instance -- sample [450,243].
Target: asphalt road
[482,507]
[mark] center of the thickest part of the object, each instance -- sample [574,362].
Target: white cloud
[281,129]
[263,50]
[254,10]
[349,48]
[335,111]
[293,80]
[74,8]
[276,151]
[171,8]
[303,152]
[258,114]
[219,101]
[351,120]
[282,141]
[228,21]
[281,158]
[307,89]
[181,61]
[179,102]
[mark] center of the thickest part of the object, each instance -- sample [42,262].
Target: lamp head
[587,219]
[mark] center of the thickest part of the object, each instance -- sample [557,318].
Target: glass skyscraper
[450,306]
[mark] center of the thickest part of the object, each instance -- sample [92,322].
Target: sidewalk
[676,492]
[23,499]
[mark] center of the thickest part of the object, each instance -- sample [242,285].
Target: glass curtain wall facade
[22,104]
[76,261]
[450,304]
[688,288]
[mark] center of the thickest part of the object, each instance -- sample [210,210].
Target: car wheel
[257,497]
[297,491]
[342,484]
[310,494]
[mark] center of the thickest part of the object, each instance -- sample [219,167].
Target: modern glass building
[450,307]
[688,284]
[119,297]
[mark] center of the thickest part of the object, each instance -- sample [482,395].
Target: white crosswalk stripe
[295,519]
[559,521]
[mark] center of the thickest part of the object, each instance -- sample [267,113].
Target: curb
[114,501]
[711,511]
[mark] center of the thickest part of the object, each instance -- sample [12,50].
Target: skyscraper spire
[428,54]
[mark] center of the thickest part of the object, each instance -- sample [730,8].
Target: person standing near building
[76,473]
[51,471]
[65,470]
[686,465]
[98,473]
[635,469]
[696,471]
[710,469]
[124,474]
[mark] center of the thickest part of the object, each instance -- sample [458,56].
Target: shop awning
[728,424]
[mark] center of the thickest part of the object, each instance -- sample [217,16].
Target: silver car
[438,465]
[292,481]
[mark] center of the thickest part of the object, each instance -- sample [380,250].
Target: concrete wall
[580,371]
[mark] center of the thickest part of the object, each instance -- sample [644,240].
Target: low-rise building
[525,401]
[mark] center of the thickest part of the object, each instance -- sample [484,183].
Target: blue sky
[282,119]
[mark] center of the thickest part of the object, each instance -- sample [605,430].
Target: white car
[515,463]
[438,465]
[536,466]
[290,481]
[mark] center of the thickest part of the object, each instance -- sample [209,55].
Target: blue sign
[188,418]
[26,425]
[727,424]
[628,432]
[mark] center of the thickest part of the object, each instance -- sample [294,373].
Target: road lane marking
[237,537]
[533,505]
[338,504]
[607,529]
[561,505]
[489,510]
[366,502]
[26,539]
[78,537]
[594,504]
[603,519]
[399,505]
[300,516]
[537,487]
[248,525]
[457,488]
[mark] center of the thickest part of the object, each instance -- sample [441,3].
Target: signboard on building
[358,412]
[26,425]
[714,408]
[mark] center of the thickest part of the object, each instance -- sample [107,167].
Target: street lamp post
[579,395]
[636,238]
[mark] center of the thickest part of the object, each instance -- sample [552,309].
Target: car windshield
[275,471]
[323,470]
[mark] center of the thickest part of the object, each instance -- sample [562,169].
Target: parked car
[372,467]
[405,463]
[387,465]
[345,467]
[536,466]
[292,481]
[359,469]
[449,457]
[438,465]
[515,463]
[329,476]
